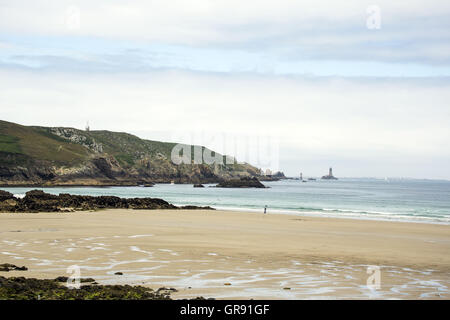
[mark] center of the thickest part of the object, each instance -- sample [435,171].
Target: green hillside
[29,143]
[68,156]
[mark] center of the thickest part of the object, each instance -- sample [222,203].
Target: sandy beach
[226,254]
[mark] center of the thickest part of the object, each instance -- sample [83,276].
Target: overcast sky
[360,86]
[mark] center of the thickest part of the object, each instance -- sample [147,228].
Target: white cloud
[103,70]
[317,116]
[411,30]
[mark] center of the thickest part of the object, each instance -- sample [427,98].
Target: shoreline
[411,212]
[198,252]
[306,212]
[321,214]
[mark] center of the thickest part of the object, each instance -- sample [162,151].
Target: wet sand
[224,254]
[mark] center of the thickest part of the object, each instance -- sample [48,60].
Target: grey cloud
[411,31]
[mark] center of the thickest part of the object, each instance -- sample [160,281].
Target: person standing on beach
[265,209]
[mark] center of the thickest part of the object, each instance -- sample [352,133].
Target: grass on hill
[35,143]
[9,144]
[19,144]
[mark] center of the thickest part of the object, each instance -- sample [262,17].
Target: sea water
[379,199]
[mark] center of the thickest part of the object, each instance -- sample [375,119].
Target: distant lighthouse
[330,175]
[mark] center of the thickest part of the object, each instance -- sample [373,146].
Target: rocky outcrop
[39,201]
[20,288]
[244,182]
[5,195]
[82,280]
[196,208]
[6,267]
[33,173]
[73,136]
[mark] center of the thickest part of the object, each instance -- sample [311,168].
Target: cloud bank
[411,31]
[309,74]
[335,118]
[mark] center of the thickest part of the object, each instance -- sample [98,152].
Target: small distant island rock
[329,176]
[268,176]
[243,182]
[148,185]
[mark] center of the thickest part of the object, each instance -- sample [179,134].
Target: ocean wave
[411,202]
[345,213]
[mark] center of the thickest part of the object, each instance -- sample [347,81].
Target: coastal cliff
[57,156]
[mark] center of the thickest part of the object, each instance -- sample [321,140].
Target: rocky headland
[59,156]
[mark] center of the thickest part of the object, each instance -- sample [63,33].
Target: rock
[39,201]
[61,279]
[22,268]
[166,290]
[20,288]
[279,175]
[8,205]
[5,195]
[243,182]
[145,184]
[82,280]
[6,267]
[196,208]
[40,195]
[118,274]
[198,186]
